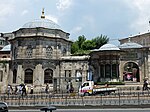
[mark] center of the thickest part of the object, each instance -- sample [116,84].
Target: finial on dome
[129,39]
[43,16]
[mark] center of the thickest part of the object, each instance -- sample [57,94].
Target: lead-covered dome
[108,47]
[45,23]
[6,48]
[130,45]
[42,22]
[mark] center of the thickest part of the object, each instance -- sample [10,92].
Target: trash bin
[46,109]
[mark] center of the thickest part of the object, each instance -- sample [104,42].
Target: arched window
[28,76]
[102,74]
[64,51]
[14,75]
[29,52]
[1,76]
[114,71]
[78,76]
[107,71]
[48,76]
[4,57]
[49,52]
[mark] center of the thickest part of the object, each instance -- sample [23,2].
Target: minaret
[43,16]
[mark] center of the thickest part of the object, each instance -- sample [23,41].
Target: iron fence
[118,98]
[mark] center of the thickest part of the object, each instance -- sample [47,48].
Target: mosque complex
[39,53]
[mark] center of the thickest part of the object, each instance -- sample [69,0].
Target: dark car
[3,107]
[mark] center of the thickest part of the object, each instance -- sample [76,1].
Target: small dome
[130,45]
[108,47]
[45,23]
[6,48]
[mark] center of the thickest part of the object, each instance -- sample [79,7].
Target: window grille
[48,76]
[28,76]
[49,52]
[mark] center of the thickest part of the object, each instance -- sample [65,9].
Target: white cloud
[143,18]
[90,21]
[6,10]
[53,18]
[24,12]
[63,4]
[76,30]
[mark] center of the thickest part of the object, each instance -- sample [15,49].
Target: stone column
[38,75]
[20,75]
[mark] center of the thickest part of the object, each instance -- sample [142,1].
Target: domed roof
[6,48]
[108,47]
[42,22]
[130,45]
[45,23]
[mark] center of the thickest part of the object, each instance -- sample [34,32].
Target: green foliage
[74,48]
[110,83]
[88,45]
[83,46]
[80,40]
[100,40]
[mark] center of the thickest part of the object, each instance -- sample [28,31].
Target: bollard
[46,109]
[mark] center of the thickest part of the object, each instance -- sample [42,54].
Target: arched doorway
[131,72]
[28,78]
[48,76]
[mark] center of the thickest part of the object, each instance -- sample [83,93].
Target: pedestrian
[46,88]
[26,89]
[20,89]
[9,89]
[68,87]
[71,88]
[145,84]
[23,91]
[31,92]
[16,90]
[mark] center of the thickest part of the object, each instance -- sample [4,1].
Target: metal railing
[118,98]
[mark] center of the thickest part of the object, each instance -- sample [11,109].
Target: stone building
[135,57]
[104,62]
[40,54]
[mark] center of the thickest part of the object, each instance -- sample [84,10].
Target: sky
[116,19]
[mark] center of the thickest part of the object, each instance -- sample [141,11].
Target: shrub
[110,83]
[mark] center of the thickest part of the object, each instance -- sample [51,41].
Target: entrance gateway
[131,72]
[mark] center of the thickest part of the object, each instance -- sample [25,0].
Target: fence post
[49,99]
[101,100]
[130,90]
[19,100]
[138,98]
[119,98]
[62,94]
[82,101]
[66,100]
[34,99]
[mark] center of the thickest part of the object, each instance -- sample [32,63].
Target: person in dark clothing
[145,85]
[23,91]
[46,88]
[31,92]
[16,89]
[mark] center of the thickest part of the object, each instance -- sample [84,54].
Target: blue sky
[115,18]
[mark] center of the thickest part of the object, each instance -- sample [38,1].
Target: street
[89,110]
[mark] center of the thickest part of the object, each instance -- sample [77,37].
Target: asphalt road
[89,110]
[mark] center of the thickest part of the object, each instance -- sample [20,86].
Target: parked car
[3,107]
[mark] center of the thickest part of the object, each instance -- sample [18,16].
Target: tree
[100,40]
[88,45]
[74,47]
[80,40]
[83,46]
